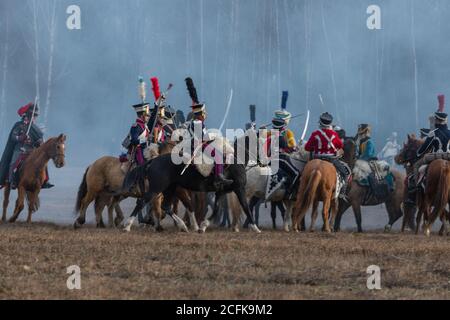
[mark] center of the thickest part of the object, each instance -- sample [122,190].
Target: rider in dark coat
[437,139]
[25,136]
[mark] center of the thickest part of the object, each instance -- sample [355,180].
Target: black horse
[165,176]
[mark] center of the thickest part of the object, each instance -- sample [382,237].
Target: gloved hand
[22,138]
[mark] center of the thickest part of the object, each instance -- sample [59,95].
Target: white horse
[257,180]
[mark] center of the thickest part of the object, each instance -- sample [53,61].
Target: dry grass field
[218,264]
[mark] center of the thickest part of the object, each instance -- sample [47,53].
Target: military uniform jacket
[437,141]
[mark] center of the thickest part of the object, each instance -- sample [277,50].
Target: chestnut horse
[437,186]
[32,175]
[317,183]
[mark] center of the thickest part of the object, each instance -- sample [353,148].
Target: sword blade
[305,129]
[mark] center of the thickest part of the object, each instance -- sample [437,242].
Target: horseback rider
[168,124]
[366,147]
[139,134]
[25,136]
[287,144]
[325,144]
[197,130]
[436,143]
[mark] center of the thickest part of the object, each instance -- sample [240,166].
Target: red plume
[155,88]
[441,99]
[24,109]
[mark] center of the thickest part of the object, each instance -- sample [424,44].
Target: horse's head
[56,150]
[350,151]
[408,153]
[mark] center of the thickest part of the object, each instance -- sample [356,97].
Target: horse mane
[38,151]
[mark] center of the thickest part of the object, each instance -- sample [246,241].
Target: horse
[437,187]
[407,157]
[357,196]
[318,183]
[170,175]
[102,183]
[32,175]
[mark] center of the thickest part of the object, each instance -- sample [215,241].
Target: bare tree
[52,30]
[4,78]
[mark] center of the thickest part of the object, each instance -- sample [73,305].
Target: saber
[305,128]
[192,158]
[228,110]
[36,99]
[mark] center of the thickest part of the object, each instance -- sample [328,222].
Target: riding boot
[220,181]
[47,184]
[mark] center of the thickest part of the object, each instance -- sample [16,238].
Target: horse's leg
[273,215]
[394,214]
[240,193]
[432,214]
[205,223]
[99,206]
[6,195]
[356,206]
[32,203]
[325,213]
[183,196]
[83,208]
[314,214]
[342,208]
[167,207]
[334,209]
[286,213]
[253,205]
[119,213]
[140,204]
[19,204]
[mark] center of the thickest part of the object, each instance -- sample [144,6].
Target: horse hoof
[118,221]
[201,231]
[255,228]
[427,232]
[388,228]
[159,229]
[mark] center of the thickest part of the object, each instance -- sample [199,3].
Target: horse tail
[442,188]
[309,191]
[82,191]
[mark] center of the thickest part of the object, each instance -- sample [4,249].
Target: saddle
[16,168]
[204,161]
[376,175]
[421,166]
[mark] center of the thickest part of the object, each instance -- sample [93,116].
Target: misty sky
[255,47]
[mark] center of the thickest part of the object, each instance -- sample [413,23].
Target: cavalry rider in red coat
[325,144]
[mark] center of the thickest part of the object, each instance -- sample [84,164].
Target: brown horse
[437,186]
[318,183]
[408,157]
[32,176]
[437,195]
[102,183]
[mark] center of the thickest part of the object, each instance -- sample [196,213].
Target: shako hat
[326,119]
[197,107]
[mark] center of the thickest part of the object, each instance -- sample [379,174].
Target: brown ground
[218,264]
